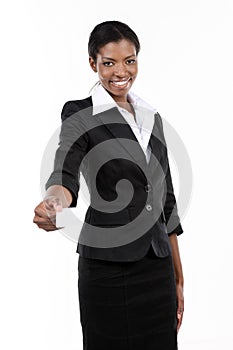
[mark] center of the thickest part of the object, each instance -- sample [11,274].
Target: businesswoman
[131,283]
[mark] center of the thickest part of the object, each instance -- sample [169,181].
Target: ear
[92,64]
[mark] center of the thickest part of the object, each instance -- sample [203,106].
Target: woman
[130,287]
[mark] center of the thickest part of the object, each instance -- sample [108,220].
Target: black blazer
[126,194]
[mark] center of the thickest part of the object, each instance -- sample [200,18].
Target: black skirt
[128,305]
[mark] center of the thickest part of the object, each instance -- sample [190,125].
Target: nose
[120,70]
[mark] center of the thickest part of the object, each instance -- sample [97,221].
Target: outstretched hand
[45,213]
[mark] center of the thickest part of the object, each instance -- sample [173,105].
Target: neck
[120,99]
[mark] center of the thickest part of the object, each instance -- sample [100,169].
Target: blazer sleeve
[73,144]
[170,210]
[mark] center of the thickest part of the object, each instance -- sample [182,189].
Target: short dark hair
[110,31]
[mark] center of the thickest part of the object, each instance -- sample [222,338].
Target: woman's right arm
[63,184]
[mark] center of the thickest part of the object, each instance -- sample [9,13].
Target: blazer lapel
[120,129]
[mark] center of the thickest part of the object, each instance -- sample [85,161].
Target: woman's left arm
[174,228]
[178,277]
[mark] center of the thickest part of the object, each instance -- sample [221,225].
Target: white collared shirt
[144,115]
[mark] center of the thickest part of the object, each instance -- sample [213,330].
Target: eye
[131,61]
[108,64]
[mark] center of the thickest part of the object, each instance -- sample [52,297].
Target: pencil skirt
[128,305]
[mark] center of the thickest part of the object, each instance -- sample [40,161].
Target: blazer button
[148,207]
[147,187]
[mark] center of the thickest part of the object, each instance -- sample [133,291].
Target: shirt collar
[103,101]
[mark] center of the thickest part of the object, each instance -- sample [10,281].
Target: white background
[186,73]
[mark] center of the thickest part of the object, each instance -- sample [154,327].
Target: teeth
[120,83]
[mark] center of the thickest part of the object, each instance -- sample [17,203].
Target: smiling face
[117,68]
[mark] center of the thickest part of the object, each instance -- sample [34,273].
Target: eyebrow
[112,59]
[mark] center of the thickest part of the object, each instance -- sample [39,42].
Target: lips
[120,84]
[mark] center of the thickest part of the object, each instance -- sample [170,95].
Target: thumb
[58,207]
[53,203]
